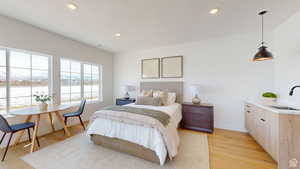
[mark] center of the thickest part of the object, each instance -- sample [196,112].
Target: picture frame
[172,67]
[150,68]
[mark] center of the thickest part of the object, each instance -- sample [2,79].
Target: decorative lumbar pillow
[146,100]
[171,98]
[148,93]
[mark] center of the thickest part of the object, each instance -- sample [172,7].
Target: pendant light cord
[262,29]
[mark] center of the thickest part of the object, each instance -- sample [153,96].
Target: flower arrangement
[42,98]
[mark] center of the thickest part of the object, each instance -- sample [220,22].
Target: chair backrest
[4,126]
[81,107]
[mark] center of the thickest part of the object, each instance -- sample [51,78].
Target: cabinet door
[249,118]
[273,137]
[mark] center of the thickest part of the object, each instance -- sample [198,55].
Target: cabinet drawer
[197,110]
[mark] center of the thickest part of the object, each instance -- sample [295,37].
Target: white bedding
[146,136]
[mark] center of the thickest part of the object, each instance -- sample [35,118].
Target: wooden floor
[228,150]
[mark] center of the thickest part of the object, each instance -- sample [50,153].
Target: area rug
[79,152]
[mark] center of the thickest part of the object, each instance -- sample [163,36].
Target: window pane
[75,67]
[2,82]
[20,82]
[75,97]
[95,70]
[39,78]
[2,105]
[19,59]
[65,65]
[39,62]
[2,58]
[65,98]
[88,95]
[87,69]
[20,102]
[95,95]
[75,83]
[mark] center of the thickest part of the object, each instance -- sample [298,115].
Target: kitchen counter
[269,108]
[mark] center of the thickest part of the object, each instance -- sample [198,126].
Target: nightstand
[123,101]
[198,117]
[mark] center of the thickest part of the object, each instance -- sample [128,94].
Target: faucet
[292,90]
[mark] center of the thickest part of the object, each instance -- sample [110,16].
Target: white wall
[222,66]
[287,59]
[16,34]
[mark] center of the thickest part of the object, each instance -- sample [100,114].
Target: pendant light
[263,53]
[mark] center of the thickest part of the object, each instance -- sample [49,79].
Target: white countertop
[268,107]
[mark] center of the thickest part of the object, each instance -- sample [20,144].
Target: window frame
[100,98]
[8,74]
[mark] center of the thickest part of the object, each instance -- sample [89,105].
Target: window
[78,81]
[91,82]
[22,74]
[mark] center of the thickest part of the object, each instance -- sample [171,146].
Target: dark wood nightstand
[198,117]
[123,101]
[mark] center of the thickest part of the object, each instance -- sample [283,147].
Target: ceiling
[147,23]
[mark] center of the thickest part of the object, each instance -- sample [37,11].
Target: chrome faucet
[292,90]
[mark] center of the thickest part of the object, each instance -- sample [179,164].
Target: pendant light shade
[263,53]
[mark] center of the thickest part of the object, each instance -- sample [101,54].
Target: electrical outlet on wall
[293,163]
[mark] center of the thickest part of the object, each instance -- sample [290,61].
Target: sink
[284,108]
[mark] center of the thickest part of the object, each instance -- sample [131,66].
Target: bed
[140,136]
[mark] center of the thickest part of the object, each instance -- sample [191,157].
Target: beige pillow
[148,93]
[146,100]
[163,98]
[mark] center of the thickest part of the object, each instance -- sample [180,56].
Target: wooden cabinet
[262,125]
[198,117]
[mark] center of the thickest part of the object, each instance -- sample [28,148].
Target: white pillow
[171,98]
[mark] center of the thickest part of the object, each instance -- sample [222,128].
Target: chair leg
[2,138]
[37,140]
[29,137]
[81,123]
[7,146]
[66,123]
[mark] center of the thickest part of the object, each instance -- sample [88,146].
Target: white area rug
[79,152]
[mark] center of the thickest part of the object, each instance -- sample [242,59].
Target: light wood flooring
[228,150]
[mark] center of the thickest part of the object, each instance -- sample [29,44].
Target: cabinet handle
[263,120]
[247,106]
[248,111]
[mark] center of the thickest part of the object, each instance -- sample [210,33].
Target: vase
[196,100]
[43,106]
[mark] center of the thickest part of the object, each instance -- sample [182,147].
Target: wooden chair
[6,128]
[76,114]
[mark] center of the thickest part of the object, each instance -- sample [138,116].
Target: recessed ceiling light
[72,6]
[214,11]
[117,35]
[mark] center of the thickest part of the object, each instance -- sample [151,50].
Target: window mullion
[81,81]
[31,79]
[7,79]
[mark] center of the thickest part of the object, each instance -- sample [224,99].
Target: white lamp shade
[195,89]
[128,88]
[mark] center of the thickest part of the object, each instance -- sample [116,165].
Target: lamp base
[196,100]
[127,96]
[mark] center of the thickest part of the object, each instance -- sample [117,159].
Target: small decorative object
[172,67]
[42,99]
[269,98]
[195,90]
[127,89]
[150,68]
[263,53]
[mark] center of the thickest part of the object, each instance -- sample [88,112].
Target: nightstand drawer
[199,110]
[193,119]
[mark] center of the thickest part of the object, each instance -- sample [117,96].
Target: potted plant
[42,99]
[269,97]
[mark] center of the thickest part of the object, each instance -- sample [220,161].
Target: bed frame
[132,148]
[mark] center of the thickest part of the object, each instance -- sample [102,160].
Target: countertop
[267,107]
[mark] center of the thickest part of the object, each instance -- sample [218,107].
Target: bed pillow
[171,98]
[163,97]
[146,100]
[148,93]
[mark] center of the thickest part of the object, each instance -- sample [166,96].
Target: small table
[35,111]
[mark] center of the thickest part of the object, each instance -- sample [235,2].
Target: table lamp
[128,88]
[195,88]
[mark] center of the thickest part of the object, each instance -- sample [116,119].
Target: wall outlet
[293,163]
